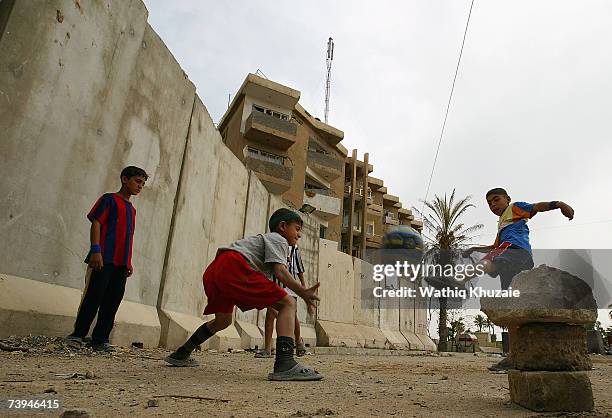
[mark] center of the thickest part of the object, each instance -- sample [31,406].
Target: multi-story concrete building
[382,210]
[294,154]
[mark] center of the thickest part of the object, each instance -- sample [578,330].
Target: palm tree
[480,322]
[449,235]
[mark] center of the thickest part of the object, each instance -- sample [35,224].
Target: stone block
[546,295]
[551,347]
[551,391]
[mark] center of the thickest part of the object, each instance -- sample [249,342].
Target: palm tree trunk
[442,329]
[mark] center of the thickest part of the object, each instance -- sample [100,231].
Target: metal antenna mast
[330,58]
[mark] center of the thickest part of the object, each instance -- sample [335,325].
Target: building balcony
[390,220]
[326,165]
[390,200]
[275,177]
[268,130]
[373,241]
[416,224]
[375,209]
[326,203]
[375,183]
[404,213]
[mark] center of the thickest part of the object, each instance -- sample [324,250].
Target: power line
[447,108]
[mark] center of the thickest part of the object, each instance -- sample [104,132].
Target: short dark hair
[497,190]
[283,215]
[133,171]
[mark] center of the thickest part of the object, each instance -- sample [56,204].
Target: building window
[271,112]
[265,156]
[370,229]
[322,231]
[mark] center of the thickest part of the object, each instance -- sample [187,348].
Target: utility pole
[330,58]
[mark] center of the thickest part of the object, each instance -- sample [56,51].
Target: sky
[531,110]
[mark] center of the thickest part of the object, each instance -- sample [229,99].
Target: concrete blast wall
[86,89]
[89,90]
[344,319]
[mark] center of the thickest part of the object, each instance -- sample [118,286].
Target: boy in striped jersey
[113,218]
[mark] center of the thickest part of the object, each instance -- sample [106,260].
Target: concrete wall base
[372,337]
[250,335]
[395,340]
[37,308]
[309,335]
[414,341]
[338,334]
[224,340]
[179,326]
[427,342]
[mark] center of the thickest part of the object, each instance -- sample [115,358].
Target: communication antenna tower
[330,58]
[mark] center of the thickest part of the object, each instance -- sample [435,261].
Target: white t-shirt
[262,250]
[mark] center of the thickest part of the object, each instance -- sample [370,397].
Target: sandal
[297,372]
[300,349]
[188,362]
[263,354]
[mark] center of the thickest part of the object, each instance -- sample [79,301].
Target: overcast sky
[532,108]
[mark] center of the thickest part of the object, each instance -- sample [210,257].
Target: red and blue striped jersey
[118,218]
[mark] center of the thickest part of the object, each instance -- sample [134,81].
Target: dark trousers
[103,292]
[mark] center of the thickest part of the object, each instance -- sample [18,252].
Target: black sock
[202,334]
[284,354]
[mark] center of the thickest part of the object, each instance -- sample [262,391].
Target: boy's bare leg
[181,356]
[285,329]
[268,329]
[297,331]
[285,320]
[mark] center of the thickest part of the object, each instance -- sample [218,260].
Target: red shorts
[497,251]
[230,281]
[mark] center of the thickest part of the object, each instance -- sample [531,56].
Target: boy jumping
[511,252]
[113,219]
[241,275]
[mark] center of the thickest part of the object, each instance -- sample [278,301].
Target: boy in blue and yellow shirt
[511,252]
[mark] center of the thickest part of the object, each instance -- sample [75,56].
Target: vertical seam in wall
[8,5]
[246,209]
[162,283]
[246,205]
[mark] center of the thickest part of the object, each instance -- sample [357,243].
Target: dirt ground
[135,382]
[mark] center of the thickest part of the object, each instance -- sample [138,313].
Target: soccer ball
[402,243]
[402,237]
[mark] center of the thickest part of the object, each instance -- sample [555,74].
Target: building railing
[273,122]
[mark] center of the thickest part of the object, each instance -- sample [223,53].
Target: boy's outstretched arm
[309,295]
[566,209]
[478,249]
